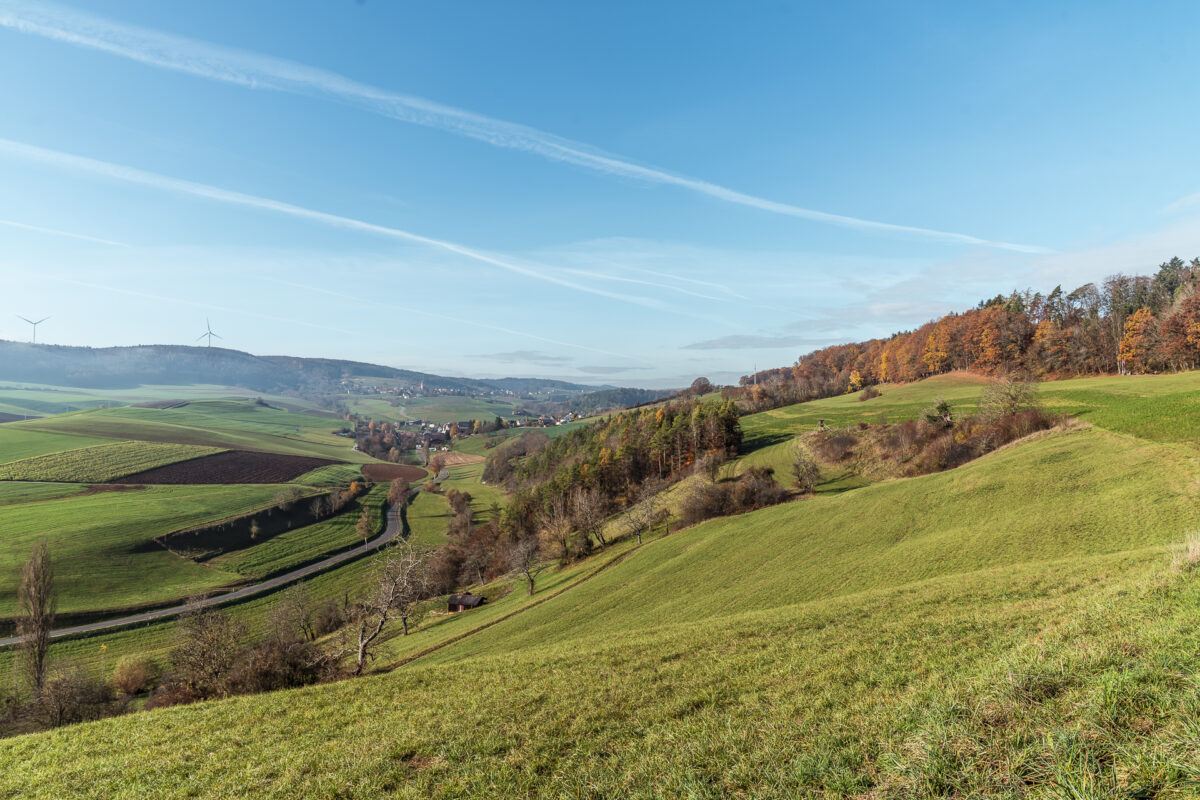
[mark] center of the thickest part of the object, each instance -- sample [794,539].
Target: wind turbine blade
[210,333]
[201,336]
[40,321]
[31,322]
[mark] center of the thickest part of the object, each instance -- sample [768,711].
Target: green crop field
[101,463]
[428,515]
[303,545]
[332,475]
[1017,627]
[19,443]
[102,548]
[438,409]
[40,400]
[231,424]
[12,493]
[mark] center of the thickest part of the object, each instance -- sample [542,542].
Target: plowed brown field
[235,466]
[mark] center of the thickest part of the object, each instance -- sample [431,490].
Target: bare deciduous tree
[402,583]
[207,650]
[291,616]
[555,522]
[640,516]
[397,492]
[805,471]
[525,561]
[363,526]
[590,510]
[710,464]
[1007,395]
[36,604]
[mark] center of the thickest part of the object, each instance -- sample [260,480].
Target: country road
[392,530]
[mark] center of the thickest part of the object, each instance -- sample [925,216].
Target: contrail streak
[54,232]
[137,176]
[257,71]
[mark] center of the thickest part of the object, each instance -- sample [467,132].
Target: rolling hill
[127,367]
[1022,626]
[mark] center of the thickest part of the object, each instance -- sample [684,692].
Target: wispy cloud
[525,357]
[1183,203]
[755,342]
[257,71]
[607,369]
[131,175]
[55,232]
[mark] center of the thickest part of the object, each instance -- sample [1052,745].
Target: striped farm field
[18,443]
[101,463]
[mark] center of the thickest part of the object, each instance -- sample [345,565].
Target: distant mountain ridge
[127,367]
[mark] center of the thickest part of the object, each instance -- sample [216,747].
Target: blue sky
[625,193]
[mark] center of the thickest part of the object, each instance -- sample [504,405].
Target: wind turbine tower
[34,324]
[208,332]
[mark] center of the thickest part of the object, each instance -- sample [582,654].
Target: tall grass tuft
[1186,554]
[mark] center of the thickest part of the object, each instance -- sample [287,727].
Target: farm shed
[464,602]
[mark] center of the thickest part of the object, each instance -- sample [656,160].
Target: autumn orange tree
[1138,351]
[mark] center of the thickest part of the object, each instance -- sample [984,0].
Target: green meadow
[231,424]
[1023,626]
[39,400]
[102,543]
[20,443]
[437,408]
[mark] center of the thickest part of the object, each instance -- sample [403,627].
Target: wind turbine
[208,332]
[34,324]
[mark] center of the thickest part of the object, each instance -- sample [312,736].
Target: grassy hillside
[1163,408]
[1012,628]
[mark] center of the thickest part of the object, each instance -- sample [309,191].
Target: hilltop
[127,367]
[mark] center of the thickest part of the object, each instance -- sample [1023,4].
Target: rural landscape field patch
[100,463]
[389,472]
[233,466]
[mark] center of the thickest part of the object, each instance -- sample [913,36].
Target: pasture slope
[1023,626]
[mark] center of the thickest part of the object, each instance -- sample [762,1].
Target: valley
[862,614]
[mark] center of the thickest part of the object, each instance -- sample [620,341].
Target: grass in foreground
[1008,629]
[1000,684]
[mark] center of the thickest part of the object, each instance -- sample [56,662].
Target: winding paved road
[392,530]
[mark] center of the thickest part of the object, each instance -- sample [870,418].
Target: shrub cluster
[755,488]
[934,443]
